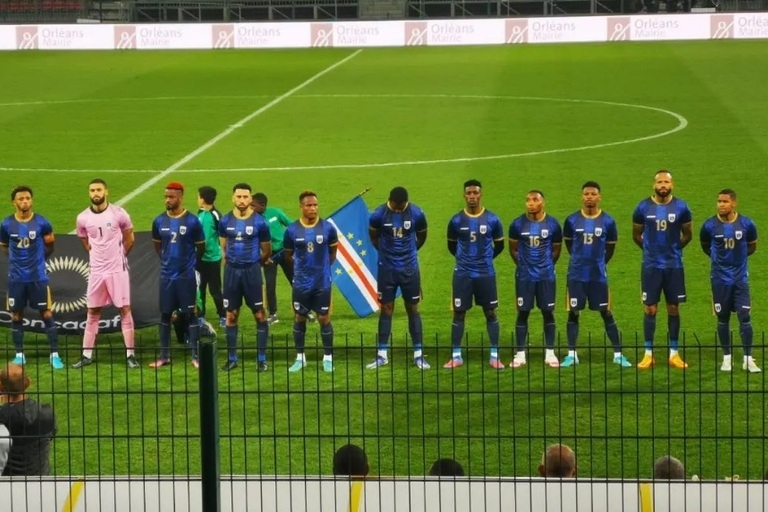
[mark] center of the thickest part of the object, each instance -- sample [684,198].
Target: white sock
[382,353]
[521,355]
[130,352]
[672,352]
[416,354]
[456,354]
[328,358]
[728,358]
[88,354]
[301,357]
[616,355]
[54,354]
[572,353]
[19,354]
[649,352]
[549,354]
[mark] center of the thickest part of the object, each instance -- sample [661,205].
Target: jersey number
[23,243]
[310,247]
[588,238]
[472,236]
[397,232]
[534,241]
[729,243]
[661,225]
[174,235]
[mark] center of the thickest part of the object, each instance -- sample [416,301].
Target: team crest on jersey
[319,239]
[671,217]
[483,229]
[32,235]
[598,231]
[248,230]
[738,235]
[544,233]
[182,230]
[718,307]
[407,224]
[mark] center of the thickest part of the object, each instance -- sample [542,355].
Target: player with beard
[106,231]
[662,227]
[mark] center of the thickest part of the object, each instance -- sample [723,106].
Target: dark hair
[260,197]
[473,183]
[19,189]
[350,460]
[591,184]
[98,181]
[306,193]
[662,171]
[208,194]
[537,191]
[446,467]
[241,186]
[398,195]
[668,468]
[728,192]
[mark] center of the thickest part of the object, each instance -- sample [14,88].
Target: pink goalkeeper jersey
[104,232]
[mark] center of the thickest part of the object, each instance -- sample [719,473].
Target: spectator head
[14,382]
[259,203]
[206,195]
[668,468]
[558,461]
[446,467]
[350,460]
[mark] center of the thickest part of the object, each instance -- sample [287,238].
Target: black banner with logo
[68,270]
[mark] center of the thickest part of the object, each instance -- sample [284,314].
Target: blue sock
[299,333]
[164,330]
[612,330]
[521,335]
[724,335]
[415,330]
[53,334]
[326,334]
[385,329]
[17,334]
[673,324]
[549,335]
[457,333]
[262,337]
[193,335]
[746,332]
[649,330]
[493,334]
[572,333]
[232,342]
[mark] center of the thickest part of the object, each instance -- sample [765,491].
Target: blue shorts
[243,283]
[729,298]
[317,300]
[481,289]
[36,294]
[579,293]
[178,294]
[542,292]
[408,281]
[669,280]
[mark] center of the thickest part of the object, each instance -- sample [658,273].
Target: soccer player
[662,227]
[209,266]
[475,238]
[106,231]
[310,250]
[277,221]
[245,242]
[179,240]
[535,242]
[590,237]
[729,238]
[27,238]
[398,229]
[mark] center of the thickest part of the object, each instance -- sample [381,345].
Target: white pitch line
[144,186]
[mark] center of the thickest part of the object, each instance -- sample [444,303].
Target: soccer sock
[231,335]
[612,330]
[549,330]
[299,333]
[724,334]
[126,323]
[649,330]
[745,330]
[572,330]
[262,337]
[17,334]
[53,335]
[385,328]
[181,329]
[457,333]
[416,332]
[673,324]
[493,334]
[521,330]
[164,330]
[326,334]
[89,336]
[193,334]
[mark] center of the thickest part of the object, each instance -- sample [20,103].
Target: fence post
[209,428]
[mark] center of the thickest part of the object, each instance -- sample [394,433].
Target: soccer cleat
[229,366]
[263,366]
[726,366]
[195,363]
[751,366]
[56,362]
[21,360]
[646,363]
[677,362]
[327,366]
[569,361]
[454,363]
[159,363]
[517,362]
[496,364]
[83,361]
[132,362]
[222,321]
[297,366]
[378,362]
[552,361]
[206,329]
[272,320]
[622,361]
[421,363]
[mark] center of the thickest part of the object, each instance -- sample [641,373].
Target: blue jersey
[662,226]
[535,239]
[311,246]
[475,236]
[728,243]
[26,248]
[244,238]
[397,235]
[589,236]
[179,237]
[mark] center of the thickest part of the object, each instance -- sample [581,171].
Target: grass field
[522,117]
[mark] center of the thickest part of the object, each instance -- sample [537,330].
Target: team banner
[69,270]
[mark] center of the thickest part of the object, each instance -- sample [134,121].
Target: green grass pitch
[127,116]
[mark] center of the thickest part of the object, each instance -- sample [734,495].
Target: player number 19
[661,224]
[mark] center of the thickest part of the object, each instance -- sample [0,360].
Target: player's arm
[610,249]
[288,247]
[199,250]
[686,234]
[128,240]
[158,245]
[498,246]
[557,241]
[421,230]
[568,232]
[498,237]
[5,238]
[333,243]
[705,239]
[223,244]
[373,234]
[453,238]
[557,248]
[637,234]
[374,225]
[48,241]
[265,242]
[514,237]
[751,239]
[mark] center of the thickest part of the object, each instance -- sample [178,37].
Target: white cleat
[751,366]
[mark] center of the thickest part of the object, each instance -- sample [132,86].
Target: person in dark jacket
[31,425]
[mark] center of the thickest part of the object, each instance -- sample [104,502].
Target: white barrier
[429,495]
[366,34]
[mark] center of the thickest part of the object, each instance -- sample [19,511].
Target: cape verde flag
[356,258]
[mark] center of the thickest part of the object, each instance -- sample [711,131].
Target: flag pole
[361,194]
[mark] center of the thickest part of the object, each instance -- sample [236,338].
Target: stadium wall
[365,34]
[272,494]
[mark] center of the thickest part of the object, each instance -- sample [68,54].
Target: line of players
[662,227]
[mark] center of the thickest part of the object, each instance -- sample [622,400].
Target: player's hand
[269,262]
